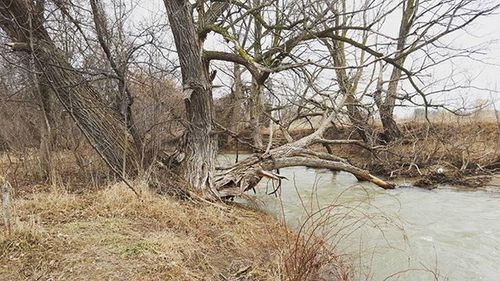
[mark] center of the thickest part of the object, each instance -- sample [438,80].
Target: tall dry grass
[110,234]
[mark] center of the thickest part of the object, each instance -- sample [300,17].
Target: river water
[402,234]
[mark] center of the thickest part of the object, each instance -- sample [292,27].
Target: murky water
[401,234]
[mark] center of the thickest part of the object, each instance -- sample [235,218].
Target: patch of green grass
[136,248]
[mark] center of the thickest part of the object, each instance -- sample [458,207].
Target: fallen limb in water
[245,175]
[236,180]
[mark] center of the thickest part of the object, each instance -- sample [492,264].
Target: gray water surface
[401,234]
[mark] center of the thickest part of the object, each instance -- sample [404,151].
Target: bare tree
[23,23]
[118,63]
[423,29]
[195,157]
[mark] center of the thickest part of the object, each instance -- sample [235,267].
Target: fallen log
[332,165]
[245,175]
[239,178]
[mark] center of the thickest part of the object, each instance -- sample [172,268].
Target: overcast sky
[483,73]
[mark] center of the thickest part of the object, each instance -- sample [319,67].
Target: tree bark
[255,114]
[391,129]
[195,156]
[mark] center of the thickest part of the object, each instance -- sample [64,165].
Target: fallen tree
[244,175]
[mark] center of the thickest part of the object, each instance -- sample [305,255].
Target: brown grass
[463,148]
[112,235]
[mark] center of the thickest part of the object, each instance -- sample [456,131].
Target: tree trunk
[102,126]
[256,91]
[47,140]
[348,88]
[391,129]
[195,156]
[386,109]
[357,119]
[255,114]
[124,97]
[236,98]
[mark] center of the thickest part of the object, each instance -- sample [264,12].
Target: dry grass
[467,147]
[111,235]
[461,144]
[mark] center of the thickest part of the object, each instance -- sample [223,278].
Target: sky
[485,73]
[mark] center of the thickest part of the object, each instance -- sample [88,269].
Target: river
[402,234]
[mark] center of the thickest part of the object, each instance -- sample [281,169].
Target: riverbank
[465,153]
[110,234]
[409,234]
[461,154]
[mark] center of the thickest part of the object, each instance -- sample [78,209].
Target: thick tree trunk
[195,157]
[391,129]
[100,124]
